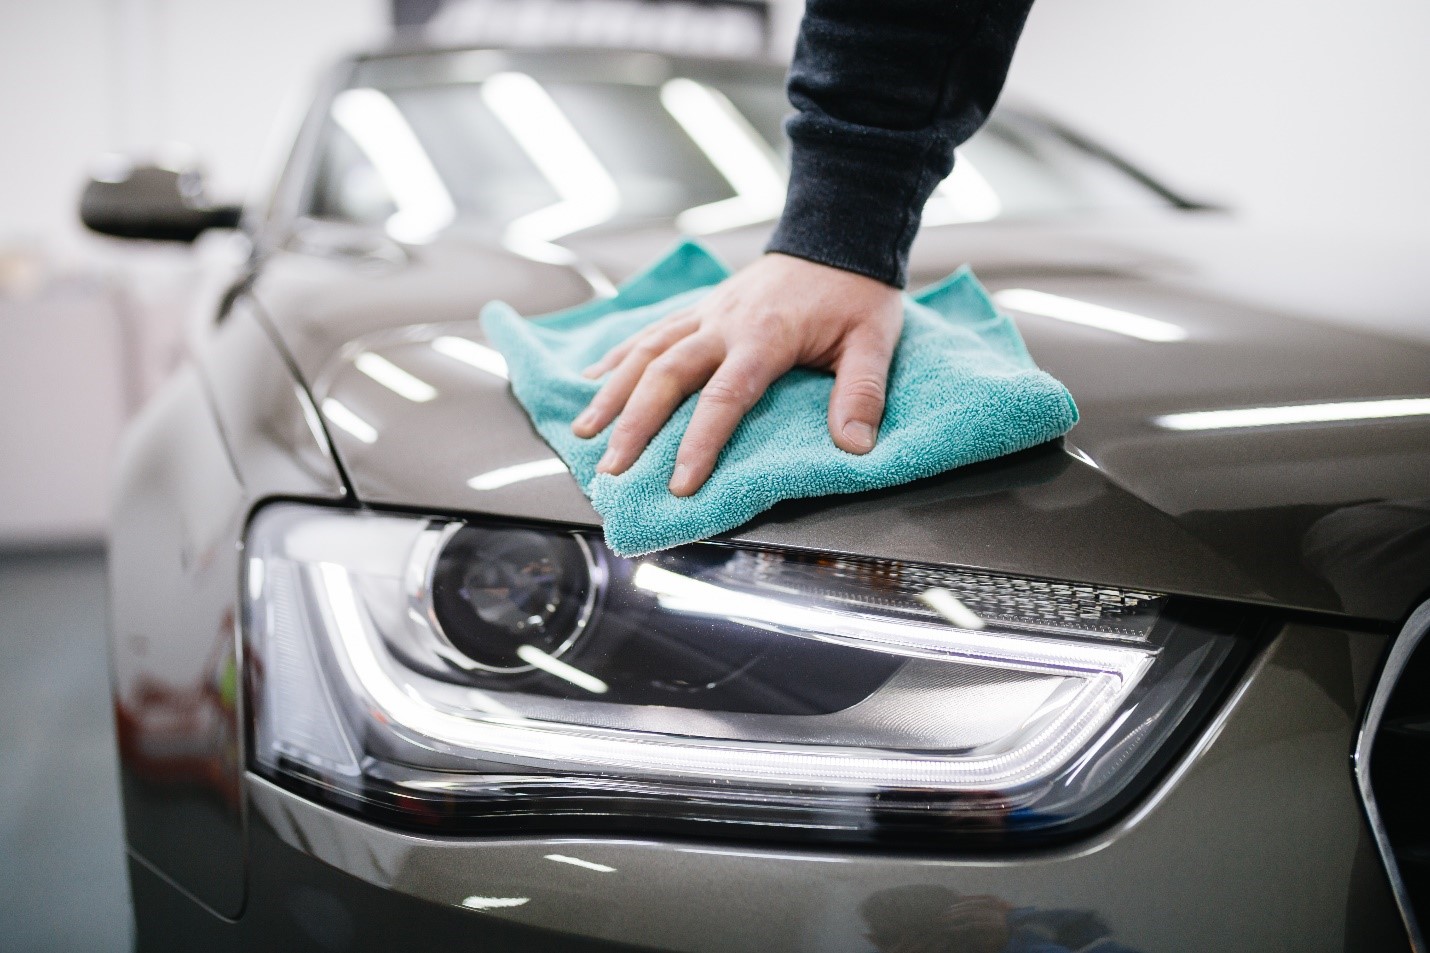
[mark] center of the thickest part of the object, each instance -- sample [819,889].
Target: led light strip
[679,593]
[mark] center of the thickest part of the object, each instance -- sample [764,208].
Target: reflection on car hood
[1322,508]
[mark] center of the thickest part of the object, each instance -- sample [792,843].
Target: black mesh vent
[1400,778]
[1017,601]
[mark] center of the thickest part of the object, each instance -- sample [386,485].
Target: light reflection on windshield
[734,147]
[421,203]
[528,159]
[588,194]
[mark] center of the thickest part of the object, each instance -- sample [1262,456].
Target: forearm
[885,91]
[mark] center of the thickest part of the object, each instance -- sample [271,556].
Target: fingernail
[590,372]
[584,420]
[860,434]
[680,480]
[604,464]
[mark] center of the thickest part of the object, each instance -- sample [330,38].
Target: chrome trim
[1416,628]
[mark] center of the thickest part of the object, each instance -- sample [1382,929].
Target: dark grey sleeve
[885,90]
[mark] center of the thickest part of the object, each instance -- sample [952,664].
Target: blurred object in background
[64,396]
[21,271]
[727,28]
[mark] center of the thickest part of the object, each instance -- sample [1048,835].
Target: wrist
[851,208]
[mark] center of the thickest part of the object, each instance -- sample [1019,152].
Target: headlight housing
[458,675]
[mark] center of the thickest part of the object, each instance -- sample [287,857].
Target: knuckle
[728,390]
[600,404]
[627,433]
[869,390]
[699,449]
[671,367]
[647,348]
[770,323]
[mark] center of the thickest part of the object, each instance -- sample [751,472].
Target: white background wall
[1305,115]
[78,78]
[1300,113]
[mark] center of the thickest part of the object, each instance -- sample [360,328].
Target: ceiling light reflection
[377,126]
[588,194]
[951,608]
[578,862]
[394,378]
[255,578]
[1287,415]
[737,152]
[505,476]
[552,665]
[338,413]
[494,903]
[480,356]
[1090,315]
[311,419]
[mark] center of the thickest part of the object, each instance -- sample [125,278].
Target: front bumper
[1256,841]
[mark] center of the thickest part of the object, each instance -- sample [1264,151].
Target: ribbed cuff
[854,206]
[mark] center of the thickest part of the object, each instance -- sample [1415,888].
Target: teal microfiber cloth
[962,388]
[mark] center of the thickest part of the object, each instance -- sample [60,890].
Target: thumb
[856,407]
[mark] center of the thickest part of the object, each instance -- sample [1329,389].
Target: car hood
[1329,516]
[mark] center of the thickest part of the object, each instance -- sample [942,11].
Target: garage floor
[62,880]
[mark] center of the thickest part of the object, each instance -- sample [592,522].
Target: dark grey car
[379,684]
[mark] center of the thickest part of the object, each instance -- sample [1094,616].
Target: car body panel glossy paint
[270,425]
[191,468]
[1287,515]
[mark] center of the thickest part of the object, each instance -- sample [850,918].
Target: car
[379,684]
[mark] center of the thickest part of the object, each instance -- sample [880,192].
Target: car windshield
[532,147]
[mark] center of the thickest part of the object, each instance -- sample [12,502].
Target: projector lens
[495,590]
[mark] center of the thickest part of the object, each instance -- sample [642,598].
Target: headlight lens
[494,591]
[471,676]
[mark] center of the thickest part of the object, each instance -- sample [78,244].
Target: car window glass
[517,155]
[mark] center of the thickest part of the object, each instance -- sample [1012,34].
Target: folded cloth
[962,388]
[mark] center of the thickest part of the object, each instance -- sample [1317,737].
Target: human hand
[779,312]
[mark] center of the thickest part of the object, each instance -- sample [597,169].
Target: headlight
[465,676]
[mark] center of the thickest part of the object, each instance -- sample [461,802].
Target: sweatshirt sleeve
[885,91]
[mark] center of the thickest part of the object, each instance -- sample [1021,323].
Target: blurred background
[1304,118]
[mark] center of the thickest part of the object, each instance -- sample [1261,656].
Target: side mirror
[147,201]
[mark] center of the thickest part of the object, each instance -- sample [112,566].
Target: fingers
[856,405]
[639,352]
[667,381]
[669,329]
[730,393]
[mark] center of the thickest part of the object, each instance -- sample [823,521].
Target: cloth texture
[962,389]
[884,93]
